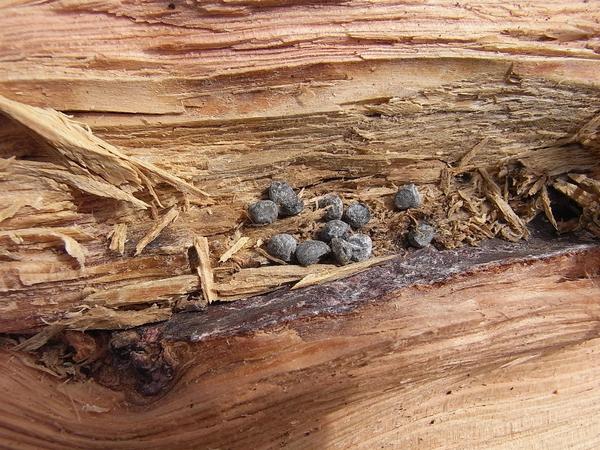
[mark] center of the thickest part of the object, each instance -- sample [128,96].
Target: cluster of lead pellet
[334,238]
[409,197]
[283,202]
[345,246]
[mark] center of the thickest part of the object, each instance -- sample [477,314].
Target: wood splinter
[118,237]
[166,220]
[236,247]
[204,269]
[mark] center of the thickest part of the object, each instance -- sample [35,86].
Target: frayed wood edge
[581,197]
[11,210]
[589,184]
[154,291]
[80,147]
[71,246]
[103,318]
[494,195]
[84,182]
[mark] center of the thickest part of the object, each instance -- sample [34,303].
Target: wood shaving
[547,207]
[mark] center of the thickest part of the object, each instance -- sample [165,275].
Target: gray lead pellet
[357,215]
[334,229]
[263,212]
[282,246]
[333,205]
[310,252]
[421,236]
[342,251]
[284,196]
[363,247]
[407,197]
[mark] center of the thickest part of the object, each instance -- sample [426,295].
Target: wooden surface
[504,355]
[351,97]
[163,120]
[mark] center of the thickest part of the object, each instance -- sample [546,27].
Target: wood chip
[118,237]
[73,249]
[236,247]
[166,220]
[445,180]
[40,339]
[205,269]
[494,195]
[535,188]
[468,156]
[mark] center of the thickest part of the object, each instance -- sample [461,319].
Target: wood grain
[219,98]
[503,356]
[116,112]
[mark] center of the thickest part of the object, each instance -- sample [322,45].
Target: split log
[132,137]
[493,347]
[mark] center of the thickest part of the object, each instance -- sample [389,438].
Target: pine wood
[443,365]
[132,131]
